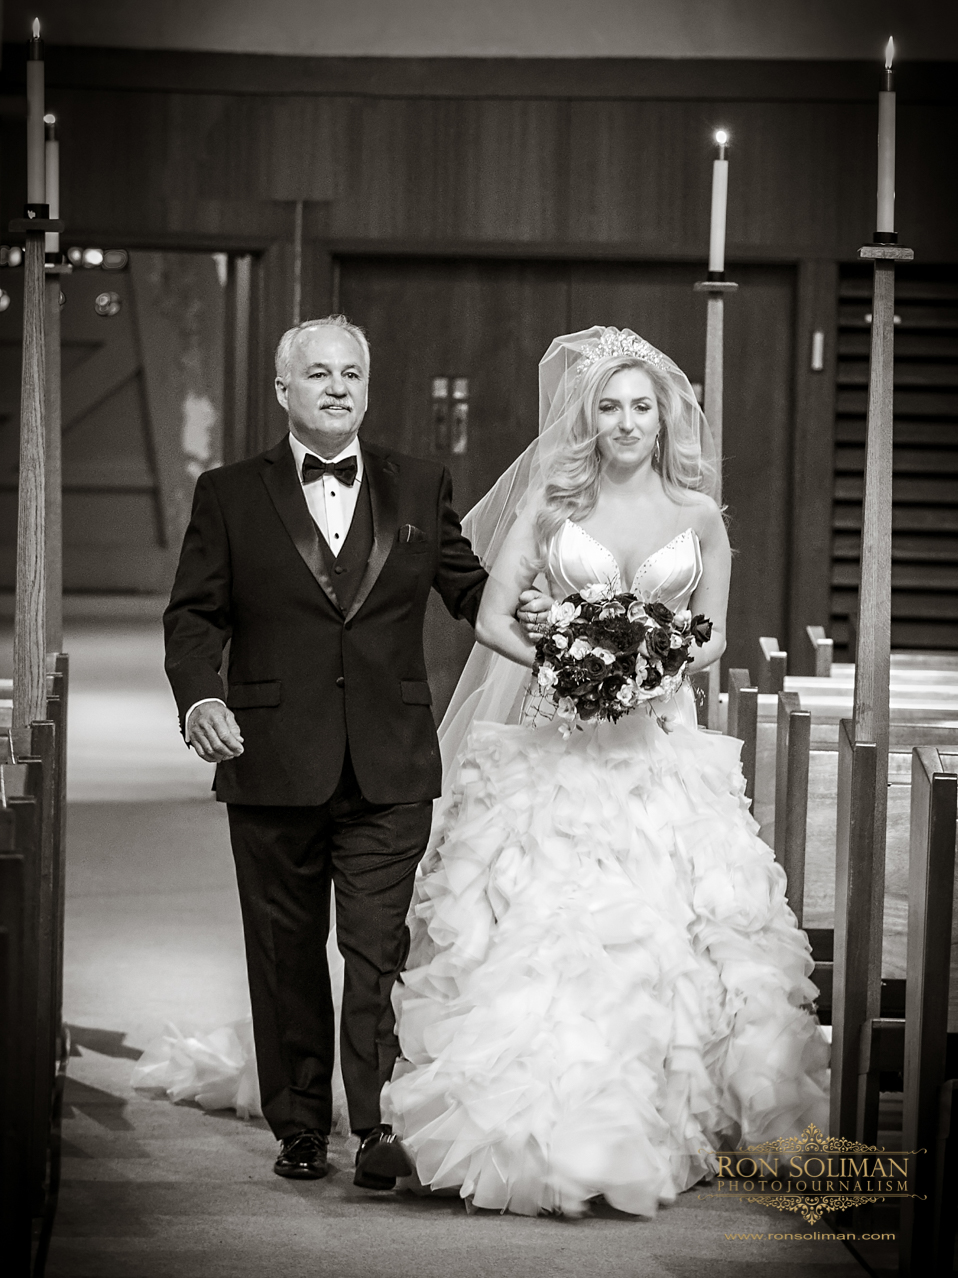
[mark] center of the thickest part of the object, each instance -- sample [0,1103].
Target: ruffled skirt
[606,981]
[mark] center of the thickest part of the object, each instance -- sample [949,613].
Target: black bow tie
[344,471]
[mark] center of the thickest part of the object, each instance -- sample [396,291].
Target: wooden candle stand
[53,481]
[712,405]
[29,635]
[863,742]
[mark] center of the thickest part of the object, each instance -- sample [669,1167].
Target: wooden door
[486,321]
[491,321]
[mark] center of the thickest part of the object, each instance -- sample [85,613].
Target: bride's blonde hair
[572,486]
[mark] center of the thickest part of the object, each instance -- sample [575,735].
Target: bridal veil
[491,687]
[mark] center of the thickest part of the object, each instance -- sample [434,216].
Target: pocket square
[409,532]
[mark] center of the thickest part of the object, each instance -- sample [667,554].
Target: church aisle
[156,1190]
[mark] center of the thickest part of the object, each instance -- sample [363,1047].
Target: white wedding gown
[606,980]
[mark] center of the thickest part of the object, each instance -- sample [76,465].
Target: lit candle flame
[889,53]
[36,28]
[49,119]
[721,137]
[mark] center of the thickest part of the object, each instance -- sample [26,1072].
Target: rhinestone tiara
[614,343]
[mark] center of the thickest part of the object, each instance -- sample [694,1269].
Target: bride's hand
[533,605]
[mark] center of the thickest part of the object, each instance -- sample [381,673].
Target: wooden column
[713,402]
[863,778]
[30,627]
[53,480]
[29,633]
[854,861]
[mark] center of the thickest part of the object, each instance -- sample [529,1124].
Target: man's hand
[531,613]
[213,732]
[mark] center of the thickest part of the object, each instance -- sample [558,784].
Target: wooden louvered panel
[925,487]
[941,577]
[907,548]
[934,434]
[924,343]
[908,490]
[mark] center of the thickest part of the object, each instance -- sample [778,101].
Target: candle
[885,222]
[719,202]
[52,179]
[36,157]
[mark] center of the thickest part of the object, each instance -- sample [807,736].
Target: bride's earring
[657,453]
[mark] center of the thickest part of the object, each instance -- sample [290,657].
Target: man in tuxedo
[314,561]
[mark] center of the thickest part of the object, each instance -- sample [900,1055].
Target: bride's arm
[513,572]
[711,594]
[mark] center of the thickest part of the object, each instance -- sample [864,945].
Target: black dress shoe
[380,1159]
[303,1156]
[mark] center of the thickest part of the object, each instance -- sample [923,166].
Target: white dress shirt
[331,505]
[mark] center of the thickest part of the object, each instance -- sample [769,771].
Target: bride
[606,981]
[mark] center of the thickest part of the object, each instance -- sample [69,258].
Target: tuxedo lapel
[283,486]
[382,475]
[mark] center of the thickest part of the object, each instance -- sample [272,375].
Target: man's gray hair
[284,349]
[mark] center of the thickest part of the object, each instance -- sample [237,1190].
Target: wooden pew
[821,651]
[791,794]
[742,722]
[807,829]
[32,822]
[771,666]
[18,831]
[829,702]
[923,1240]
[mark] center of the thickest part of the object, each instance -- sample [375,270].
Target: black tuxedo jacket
[305,677]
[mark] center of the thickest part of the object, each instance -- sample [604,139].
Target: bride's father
[315,561]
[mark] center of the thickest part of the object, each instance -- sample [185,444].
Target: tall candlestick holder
[716,290]
[29,635]
[56,268]
[863,744]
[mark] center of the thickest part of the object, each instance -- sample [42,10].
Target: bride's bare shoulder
[704,514]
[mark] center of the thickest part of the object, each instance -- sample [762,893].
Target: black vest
[346,569]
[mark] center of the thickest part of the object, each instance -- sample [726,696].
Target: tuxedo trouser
[286,858]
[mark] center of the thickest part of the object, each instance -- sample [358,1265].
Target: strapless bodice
[668,576]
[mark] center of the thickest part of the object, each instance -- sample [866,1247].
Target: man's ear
[281,395]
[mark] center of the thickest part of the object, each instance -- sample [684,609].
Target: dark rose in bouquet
[604,653]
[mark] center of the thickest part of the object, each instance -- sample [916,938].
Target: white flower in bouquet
[598,592]
[613,609]
[604,656]
[566,713]
[628,694]
[563,614]
[579,648]
[676,641]
[641,667]
[636,612]
[547,678]
[560,641]
[682,619]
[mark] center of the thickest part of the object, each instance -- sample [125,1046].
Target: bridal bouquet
[602,654]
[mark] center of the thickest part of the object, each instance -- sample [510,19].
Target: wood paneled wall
[602,158]
[625,176]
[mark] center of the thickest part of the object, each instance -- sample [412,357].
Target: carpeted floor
[157,1190]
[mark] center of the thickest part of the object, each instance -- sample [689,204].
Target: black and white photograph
[478,638]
